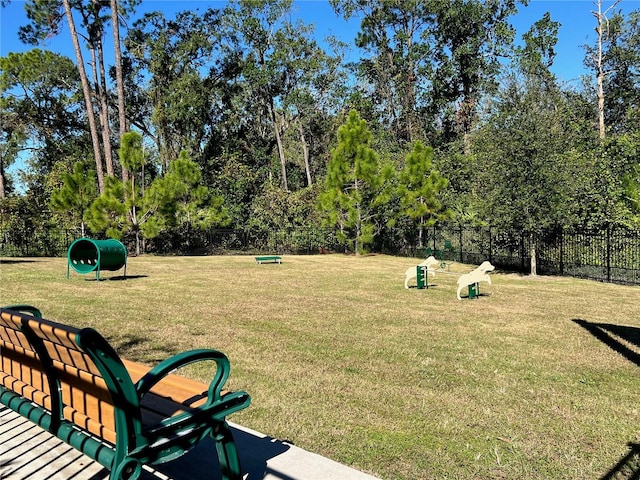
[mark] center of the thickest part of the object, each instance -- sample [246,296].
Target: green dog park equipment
[86,255]
[421,277]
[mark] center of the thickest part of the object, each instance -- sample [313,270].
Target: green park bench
[122,414]
[269,259]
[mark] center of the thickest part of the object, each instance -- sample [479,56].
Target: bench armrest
[33,311]
[164,368]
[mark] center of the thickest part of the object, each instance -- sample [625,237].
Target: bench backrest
[77,365]
[21,369]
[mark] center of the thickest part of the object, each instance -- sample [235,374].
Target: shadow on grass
[119,278]
[430,285]
[620,338]
[137,349]
[628,468]
[11,262]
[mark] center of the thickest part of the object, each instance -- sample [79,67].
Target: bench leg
[128,469]
[227,452]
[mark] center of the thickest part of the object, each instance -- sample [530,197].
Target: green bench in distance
[269,259]
[122,414]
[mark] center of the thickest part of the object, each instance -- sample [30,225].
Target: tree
[76,194]
[40,117]
[86,90]
[13,138]
[176,199]
[430,58]
[45,17]
[399,68]
[122,112]
[115,22]
[632,192]
[613,187]
[622,84]
[354,185]
[470,37]
[174,76]
[420,187]
[116,210]
[180,199]
[598,61]
[280,61]
[521,146]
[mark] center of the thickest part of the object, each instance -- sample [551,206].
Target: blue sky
[574,15]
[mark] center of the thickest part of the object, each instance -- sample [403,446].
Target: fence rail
[609,256]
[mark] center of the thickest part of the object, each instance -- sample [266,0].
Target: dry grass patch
[405,384]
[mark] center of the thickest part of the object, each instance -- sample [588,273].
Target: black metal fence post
[490,246]
[522,251]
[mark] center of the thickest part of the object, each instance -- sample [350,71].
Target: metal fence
[609,256]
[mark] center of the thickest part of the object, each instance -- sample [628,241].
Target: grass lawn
[538,378]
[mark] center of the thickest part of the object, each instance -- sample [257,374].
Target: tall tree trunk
[122,115]
[3,192]
[86,90]
[281,156]
[102,93]
[600,70]
[532,253]
[601,18]
[305,153]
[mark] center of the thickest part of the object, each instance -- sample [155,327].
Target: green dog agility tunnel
[86,255]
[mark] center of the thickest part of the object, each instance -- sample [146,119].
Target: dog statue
[480,274]
[431,263]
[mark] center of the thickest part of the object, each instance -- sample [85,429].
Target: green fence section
[610,255]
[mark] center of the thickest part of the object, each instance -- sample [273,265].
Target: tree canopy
[241,116]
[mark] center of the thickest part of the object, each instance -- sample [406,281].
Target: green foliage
[179,199]
[131,153]
[538,53]
[420,187]
[621,62]
[76,194]
[39,107]
[108,212]
[249,96]
[429,57]
[280,214]
[525,179]
[616,181]
[354,185]
[173,78]
[172,201]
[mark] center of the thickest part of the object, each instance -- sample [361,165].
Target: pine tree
[353,185]
[419,187]
[76,194]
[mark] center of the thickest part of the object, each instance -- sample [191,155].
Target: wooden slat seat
[73,384]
